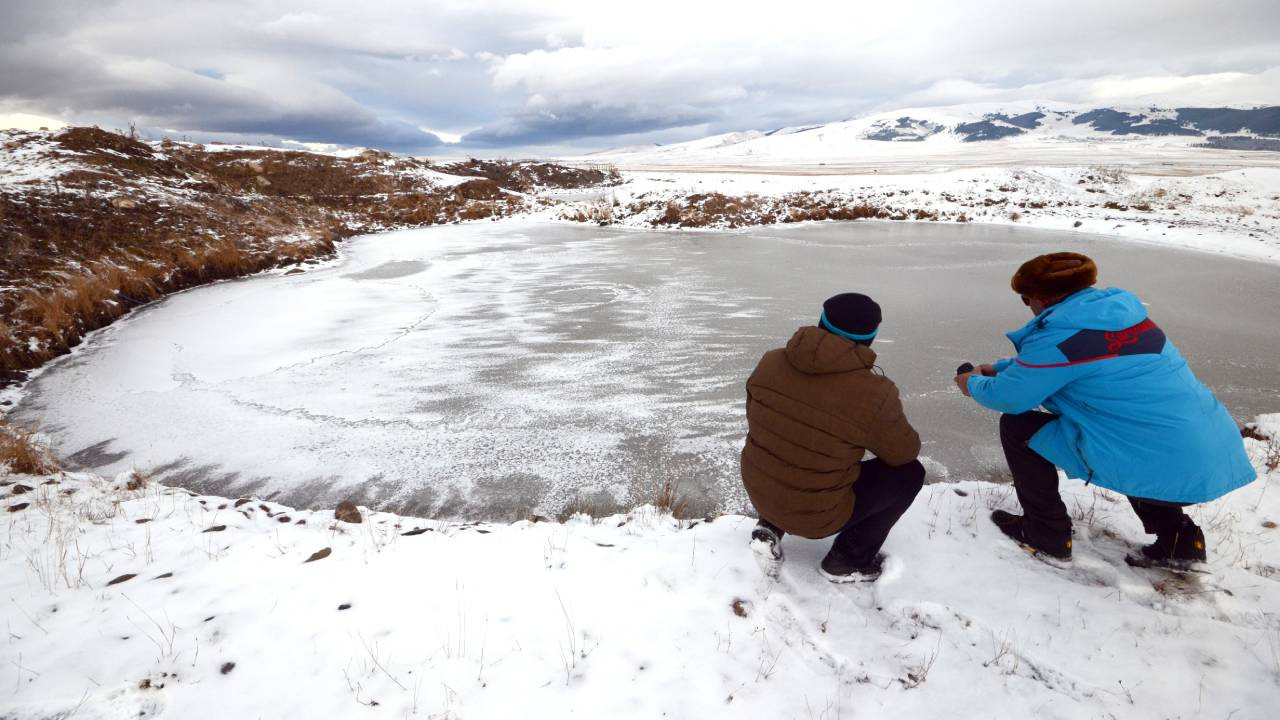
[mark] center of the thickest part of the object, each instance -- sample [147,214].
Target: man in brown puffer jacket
[813,410]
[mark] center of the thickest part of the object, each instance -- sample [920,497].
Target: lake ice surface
[489,370]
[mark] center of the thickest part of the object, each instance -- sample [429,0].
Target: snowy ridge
[155,602]
[1032,126]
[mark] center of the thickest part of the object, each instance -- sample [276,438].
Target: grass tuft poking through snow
[20,453]
[118,604]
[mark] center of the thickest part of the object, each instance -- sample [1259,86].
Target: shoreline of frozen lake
[490,370]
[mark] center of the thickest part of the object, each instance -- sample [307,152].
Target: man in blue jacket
[1124,412]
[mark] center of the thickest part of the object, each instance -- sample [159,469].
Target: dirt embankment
[94,223]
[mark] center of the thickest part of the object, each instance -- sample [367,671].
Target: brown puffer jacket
[813,410]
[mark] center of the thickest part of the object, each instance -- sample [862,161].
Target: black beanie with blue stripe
[851,315]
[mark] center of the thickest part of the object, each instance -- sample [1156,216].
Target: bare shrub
[670,216]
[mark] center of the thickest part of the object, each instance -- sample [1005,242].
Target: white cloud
[27,121]
[593,73]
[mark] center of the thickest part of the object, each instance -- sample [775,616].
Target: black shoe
[1178,550]
[766,539]
[839,569]
[1012,525]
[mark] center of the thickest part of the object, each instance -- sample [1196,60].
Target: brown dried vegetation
[716,209]
[20,455]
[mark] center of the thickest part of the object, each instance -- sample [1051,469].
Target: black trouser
[882,494]
[1035,480]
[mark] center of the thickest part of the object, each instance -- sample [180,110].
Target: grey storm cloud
[584,121]
[579,73]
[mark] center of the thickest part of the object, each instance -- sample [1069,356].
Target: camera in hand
[964,368]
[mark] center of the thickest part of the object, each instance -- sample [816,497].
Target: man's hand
[987,370]
[962,380]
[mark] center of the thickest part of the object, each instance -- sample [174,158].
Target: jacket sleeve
[1002,364]
[1021,387]
[891,437]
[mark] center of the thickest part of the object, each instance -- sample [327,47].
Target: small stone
[295,271]
[214,528]
[20,489]
[344,606]
[284,519]
[319,555]
[19,506]
[1269,524]
[122,203]
[228,667]
[163,576]
[740,607]
[122,578]
[347,512]
[242,501]
[415,531]
[143,521]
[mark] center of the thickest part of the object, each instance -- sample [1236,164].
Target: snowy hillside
[1044,130]
[129,600]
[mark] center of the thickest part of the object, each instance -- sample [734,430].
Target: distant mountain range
[1048,123]
[1194,122]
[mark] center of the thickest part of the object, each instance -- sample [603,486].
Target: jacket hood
[815,351]
[1108,309]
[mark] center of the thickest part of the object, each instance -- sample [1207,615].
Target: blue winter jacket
[1134,418]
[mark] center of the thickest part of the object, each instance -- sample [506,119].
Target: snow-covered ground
[1234,212]
[156,602]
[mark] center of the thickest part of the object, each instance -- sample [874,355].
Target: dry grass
[19,454]
[670,499]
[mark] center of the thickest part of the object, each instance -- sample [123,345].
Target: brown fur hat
[1055,274]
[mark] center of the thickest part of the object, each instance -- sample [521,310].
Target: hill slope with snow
[993,134]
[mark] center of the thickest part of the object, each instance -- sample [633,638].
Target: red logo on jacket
[1129,336]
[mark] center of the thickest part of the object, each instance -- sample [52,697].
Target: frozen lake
[491,370]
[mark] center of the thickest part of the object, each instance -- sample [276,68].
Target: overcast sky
[515,77]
